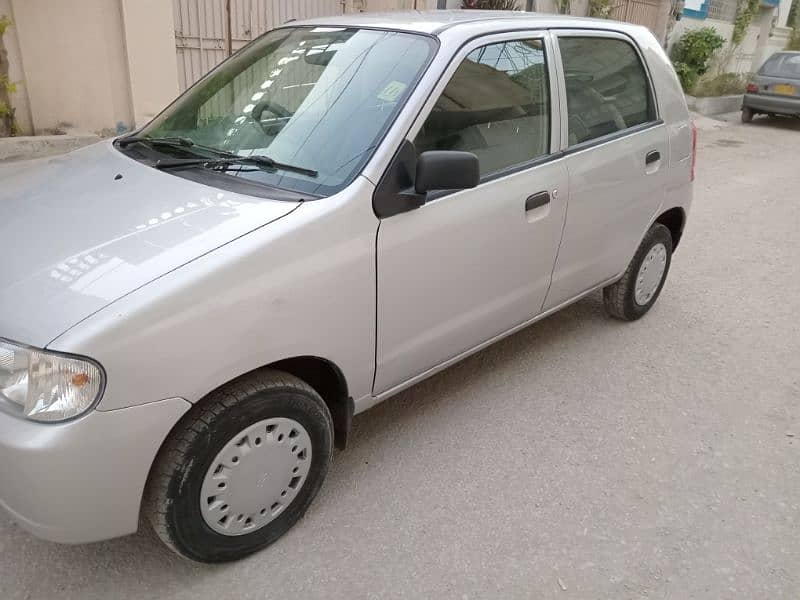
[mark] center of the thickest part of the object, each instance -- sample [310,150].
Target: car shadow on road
[518,351]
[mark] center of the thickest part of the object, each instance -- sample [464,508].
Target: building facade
[110,65]
[766,34]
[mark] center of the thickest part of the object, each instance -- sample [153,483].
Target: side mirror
[408,179]
[446,170]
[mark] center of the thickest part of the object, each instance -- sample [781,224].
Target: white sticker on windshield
[392,90]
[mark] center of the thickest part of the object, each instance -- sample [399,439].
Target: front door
[470,265]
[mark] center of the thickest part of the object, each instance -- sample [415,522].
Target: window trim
[558,136]
[562,84]
[452,66]
[444,76]
[611,137]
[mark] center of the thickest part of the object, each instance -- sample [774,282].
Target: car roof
[437,21]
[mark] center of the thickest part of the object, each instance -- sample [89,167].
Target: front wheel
[636,292]
[241,468]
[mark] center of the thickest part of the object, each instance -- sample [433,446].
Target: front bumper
[782,105]
[82,481]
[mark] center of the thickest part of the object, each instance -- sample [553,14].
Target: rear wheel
[638,289]
[241,469]
[747,114]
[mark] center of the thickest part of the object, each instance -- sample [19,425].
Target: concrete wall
[724,28]
[739,60]
[783,13]
[73,62]
[152,64]
[19,100]
[767,34]
[664,17]
[766,42]
[93,65]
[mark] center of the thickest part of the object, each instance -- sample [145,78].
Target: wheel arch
[673,219]
[323,375]
[330,383]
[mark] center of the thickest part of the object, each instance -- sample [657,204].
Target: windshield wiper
[263,162]
[226,159]
[181,142]
[167,141]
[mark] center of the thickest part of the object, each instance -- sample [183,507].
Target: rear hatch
[780,76]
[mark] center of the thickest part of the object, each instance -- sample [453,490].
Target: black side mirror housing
[446,170]
[408,179]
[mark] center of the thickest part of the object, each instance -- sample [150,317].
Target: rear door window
[497,106]
[608,89]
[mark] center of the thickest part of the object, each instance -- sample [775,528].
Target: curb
[715,105]
[38,146]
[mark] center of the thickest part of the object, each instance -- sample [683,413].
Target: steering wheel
[276,109]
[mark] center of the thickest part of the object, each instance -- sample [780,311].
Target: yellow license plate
[785,89]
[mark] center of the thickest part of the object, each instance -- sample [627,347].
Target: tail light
[752,88]
[694,148]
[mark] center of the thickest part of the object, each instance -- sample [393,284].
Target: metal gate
[641,12]
[384,5]
[206,31]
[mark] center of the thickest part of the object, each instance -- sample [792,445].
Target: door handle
[537,201]
[652,157]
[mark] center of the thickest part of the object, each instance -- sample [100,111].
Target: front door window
[497,106]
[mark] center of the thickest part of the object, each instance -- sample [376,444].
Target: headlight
[48,386]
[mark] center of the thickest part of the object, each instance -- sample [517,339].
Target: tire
[212,429]
[620,298]
[747,114]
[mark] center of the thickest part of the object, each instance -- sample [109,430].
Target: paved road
[581,458]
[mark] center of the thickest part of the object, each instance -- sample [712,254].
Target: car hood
[79,231]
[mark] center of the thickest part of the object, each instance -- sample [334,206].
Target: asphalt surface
[580,458]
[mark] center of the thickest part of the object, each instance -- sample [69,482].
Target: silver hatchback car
[192,314]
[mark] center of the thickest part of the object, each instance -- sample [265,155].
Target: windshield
[316,98]
[782,65]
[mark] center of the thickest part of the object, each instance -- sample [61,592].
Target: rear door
[470,265]
[617,155]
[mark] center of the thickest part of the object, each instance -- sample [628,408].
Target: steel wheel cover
[255,476]
[650,274]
